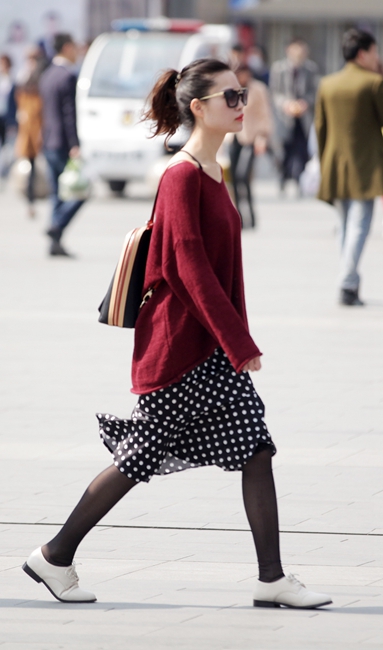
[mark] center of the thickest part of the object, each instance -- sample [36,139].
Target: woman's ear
[196,107]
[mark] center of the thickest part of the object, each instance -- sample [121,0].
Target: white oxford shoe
[62,581]
[288,591]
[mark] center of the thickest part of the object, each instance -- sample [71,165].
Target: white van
[116,77]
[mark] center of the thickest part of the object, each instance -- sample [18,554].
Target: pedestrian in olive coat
[349,121]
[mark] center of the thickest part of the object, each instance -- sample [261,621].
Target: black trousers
[2,131]
[295,153]
[31,182]
[241,164]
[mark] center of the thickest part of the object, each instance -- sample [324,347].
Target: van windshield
[128,65]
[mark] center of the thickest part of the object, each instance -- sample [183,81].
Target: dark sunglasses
[231,96]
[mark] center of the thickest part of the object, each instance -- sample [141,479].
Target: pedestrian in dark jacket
[293,85]
[60,140]
[5,91]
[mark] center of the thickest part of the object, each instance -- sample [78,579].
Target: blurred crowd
[282,102]
[324,134]
[21,65]
[38,114]
[278,119]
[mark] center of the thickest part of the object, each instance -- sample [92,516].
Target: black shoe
[350,298]
[56,249]
[54,234]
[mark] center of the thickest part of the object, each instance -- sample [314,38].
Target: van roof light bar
[161,24]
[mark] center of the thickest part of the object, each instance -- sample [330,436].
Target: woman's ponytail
[163,108]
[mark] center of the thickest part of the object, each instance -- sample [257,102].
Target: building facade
[321,23]
[271,23]
[102,12]
[275,22]
[23,22]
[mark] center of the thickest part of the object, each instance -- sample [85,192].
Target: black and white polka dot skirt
[213,416]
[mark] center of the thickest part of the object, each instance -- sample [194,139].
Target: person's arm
[188,272]
[278,94]
[378,97]
[320,123]
[264,120]
[68,111]
[313,79]
[11,110]
[284,103]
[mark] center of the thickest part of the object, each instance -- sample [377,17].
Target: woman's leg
[102,494]
[234,153]
[248,176]
[31,188]
[262,512]
[31,182]
[243,173]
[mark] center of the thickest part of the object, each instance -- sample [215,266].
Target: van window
[208,50]
[128,65]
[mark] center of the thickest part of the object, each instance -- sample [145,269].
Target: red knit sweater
[195,251]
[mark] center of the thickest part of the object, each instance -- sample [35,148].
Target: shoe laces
[72,575]
[294,580]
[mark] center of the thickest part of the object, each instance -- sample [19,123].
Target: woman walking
[197,405]
[29,118]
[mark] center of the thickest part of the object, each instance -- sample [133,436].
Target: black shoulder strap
[151,220]
[191,156]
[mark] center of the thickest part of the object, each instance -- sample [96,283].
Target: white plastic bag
[74,185]
[310,178]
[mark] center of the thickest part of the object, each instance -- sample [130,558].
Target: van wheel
[117,186]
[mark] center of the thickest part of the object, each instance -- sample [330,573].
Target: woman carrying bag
[197,405]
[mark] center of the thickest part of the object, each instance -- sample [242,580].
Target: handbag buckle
[148,294]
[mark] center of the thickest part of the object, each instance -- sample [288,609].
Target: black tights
[100,497]
[111,485]
[261,509]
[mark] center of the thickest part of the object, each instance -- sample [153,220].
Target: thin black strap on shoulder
[191,156]
[152,218]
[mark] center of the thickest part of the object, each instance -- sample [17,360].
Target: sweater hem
[150,389]
[144,390]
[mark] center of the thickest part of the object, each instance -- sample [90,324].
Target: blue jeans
[62,211]
[355,223]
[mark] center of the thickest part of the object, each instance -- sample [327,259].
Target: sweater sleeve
[378,98]
[68,109]
[189,273]
[264,118]
[320,123]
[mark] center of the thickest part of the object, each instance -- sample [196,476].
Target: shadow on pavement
[102,605]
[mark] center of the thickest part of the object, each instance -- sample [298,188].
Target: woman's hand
[252,365]
[260,145]
[75,152]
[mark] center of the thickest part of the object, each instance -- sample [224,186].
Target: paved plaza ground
[173,564]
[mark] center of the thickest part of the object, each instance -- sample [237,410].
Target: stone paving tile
[203,546]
